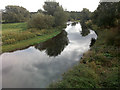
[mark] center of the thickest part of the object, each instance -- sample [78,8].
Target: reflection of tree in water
[93,40]
[74,23]
[54,46]
[85,30]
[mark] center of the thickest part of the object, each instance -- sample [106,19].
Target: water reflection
[93,40]
[54,46]
[74,23]
[85,30]
[40,65]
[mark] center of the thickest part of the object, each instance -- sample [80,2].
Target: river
[40,65]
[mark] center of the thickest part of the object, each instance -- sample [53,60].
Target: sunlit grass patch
[8,26]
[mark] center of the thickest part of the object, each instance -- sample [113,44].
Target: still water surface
[44,63]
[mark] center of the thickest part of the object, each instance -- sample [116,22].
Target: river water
[40,65]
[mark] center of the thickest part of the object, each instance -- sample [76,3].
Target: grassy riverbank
[16,36]
[99,67]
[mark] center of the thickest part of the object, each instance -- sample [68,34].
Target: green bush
[81,76]
[41,21]
[111,80]
[113,37]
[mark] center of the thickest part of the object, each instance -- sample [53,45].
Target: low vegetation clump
[41,21]
[12,37]
[113,37]
[81,76]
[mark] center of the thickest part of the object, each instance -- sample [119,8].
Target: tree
[15,14]
[85,15]
[106,14]
[50,7]
[61,17]
[41,21]
[54,9]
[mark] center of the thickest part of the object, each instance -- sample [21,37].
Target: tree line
[53,15]
[15,14]
[106,15]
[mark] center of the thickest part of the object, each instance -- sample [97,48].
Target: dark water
[42,64]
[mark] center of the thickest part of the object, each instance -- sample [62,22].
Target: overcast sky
[70,5]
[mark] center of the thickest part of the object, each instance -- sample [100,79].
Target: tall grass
[15,33]
[12,37]
[26,43]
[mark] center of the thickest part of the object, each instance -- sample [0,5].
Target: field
[17,36]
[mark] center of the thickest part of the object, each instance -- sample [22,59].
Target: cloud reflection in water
[38,66]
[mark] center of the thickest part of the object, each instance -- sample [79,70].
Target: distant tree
[54,9]
[50,7]
[15,14]
[61,17]
[41,11]
[73,15]
[85,15]
[41,21]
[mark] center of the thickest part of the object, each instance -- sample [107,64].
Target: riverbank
[99,67]
[16,36]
